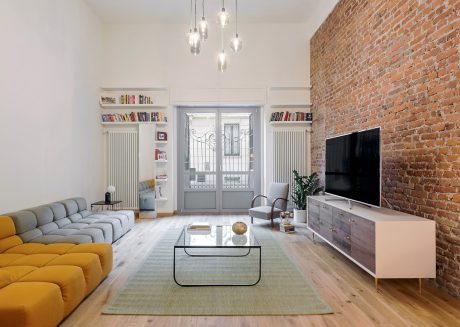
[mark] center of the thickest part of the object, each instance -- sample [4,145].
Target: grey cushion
[85,213]
[71,207]
[117,230]
[81,203]
[62,222]
[30,235]
[63,232]
[106,229]
[76,226]
[23,220]
[96,234]
[279,190]
[50,239]
[58,210]
[44,215]
[75,218]
[264,212]
[47,228]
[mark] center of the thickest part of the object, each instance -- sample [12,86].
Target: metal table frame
[185,247]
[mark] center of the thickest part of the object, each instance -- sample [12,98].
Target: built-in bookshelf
[135,117]
[287,116]
[122,98]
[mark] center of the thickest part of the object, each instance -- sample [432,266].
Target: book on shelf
[159,117]
[291,116]
[160,155]
[200,225]
[135,99]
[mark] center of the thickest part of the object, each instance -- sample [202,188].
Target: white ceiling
[178,11]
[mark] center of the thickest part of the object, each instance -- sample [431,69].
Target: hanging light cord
[202,3]
[236,17]
[191,14]
[195,13]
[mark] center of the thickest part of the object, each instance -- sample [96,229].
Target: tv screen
[353,166]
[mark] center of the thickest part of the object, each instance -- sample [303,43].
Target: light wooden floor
[344,286]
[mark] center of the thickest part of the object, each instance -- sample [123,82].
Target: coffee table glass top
[217,237]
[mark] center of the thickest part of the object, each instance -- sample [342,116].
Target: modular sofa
[41,284]
[69,221]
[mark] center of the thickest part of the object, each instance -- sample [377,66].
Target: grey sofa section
[69,221]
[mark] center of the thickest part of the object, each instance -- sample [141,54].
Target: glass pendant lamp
[195,39]
[203,25]
[236,43]
[222,57]
[223,16]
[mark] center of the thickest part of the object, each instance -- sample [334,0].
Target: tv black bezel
[380,170]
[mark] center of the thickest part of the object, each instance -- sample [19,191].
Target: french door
[218,159]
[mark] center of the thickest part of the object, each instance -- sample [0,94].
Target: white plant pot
[300,216]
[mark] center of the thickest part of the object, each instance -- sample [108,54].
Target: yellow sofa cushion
[6,227]
[9,242]
[35,260]
[31,304]
[5,278]
[36,248]
[17,272]
[70,280]
[104,252]
[7,258]
[88,262]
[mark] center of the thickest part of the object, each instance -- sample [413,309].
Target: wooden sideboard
[385,243]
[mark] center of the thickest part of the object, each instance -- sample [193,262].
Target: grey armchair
[277,199]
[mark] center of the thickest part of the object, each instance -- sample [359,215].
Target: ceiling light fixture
[203,25]
[194,39]
[222,57]
[236,44]
[223,16]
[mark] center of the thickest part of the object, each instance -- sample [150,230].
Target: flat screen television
[353,166]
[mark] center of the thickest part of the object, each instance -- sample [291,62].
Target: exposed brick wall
[396,64]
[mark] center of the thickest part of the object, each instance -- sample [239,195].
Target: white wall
[50,138]
[159,55]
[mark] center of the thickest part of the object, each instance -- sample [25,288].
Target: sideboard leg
[314,238]
[376,283]
[420,286]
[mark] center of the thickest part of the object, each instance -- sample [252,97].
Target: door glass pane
[200,151]
[237,151]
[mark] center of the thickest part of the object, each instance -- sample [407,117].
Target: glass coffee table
[219,242]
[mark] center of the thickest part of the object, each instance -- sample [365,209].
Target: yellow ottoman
[88,262]
[104,251]
[70,280]
[31,305]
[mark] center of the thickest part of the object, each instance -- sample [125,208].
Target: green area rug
[283,289]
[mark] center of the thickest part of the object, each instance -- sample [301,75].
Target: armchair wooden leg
[252,220]
[273,225]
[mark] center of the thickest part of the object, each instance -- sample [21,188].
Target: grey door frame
[218,110]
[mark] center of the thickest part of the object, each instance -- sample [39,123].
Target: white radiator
[290,152]
[123,167]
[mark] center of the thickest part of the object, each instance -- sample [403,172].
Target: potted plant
[304,187]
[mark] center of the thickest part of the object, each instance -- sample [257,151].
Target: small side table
[103,203]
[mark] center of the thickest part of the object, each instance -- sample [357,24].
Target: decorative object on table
[285,217]
[239,228]
[108,194]
[304,186]
[200,225]
[239,239]
[162,136]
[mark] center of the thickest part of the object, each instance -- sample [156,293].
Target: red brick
[395,64]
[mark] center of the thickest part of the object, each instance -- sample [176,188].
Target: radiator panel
[123,167]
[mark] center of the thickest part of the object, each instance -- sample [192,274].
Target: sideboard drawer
[342,240]
[325,213]
[325,230]
[341,220]
[363,254]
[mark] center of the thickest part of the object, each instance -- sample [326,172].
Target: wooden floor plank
[348,289]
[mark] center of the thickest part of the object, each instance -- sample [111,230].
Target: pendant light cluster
[199,33]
